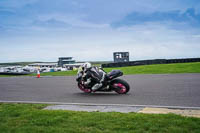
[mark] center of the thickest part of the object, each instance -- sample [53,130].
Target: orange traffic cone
[38,73]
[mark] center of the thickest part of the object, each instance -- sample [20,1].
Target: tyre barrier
[150,62]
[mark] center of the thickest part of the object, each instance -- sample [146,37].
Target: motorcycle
[111,83]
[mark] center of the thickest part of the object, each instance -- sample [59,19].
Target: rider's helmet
[86,66]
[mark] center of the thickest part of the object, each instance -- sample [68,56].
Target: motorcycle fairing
[114,73]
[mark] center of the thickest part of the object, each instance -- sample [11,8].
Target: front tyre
[120,86]
[84,89]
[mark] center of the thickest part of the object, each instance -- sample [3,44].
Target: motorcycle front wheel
[120,86]
[84,89]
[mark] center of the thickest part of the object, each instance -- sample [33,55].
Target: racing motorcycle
[111,83]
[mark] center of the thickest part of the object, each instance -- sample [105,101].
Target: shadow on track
[99,94]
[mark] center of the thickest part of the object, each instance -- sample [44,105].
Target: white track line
[95,104]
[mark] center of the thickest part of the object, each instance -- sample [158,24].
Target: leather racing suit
[94,74]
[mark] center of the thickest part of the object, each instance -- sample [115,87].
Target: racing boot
[96,87]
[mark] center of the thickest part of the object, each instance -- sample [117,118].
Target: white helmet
[86,65]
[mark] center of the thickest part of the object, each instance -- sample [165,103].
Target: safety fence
[149,62]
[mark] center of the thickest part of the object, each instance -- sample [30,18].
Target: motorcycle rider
[93,73]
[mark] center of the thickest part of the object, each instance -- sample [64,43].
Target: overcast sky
[91,30]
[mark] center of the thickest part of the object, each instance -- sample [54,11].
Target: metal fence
[149,62]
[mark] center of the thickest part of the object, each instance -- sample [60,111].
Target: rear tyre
[120,86]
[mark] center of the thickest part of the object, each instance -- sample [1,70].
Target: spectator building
[41,65]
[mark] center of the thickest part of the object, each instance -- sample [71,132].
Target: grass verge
[144,69]
[160,68]
[30,118]
[63,73]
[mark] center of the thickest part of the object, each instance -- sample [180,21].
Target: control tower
[121,56]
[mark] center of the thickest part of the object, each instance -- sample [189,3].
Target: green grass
[6,75]
[144,69]
[64,73]
[60,73]
[30,118]
[160,68]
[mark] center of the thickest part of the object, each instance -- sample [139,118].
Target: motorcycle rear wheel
[120,86]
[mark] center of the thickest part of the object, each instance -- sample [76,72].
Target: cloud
[93,30]
[189,17]
[16,3]
[74,20]
[143,42]
[50,23]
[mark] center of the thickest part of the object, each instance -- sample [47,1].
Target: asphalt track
[158,90]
